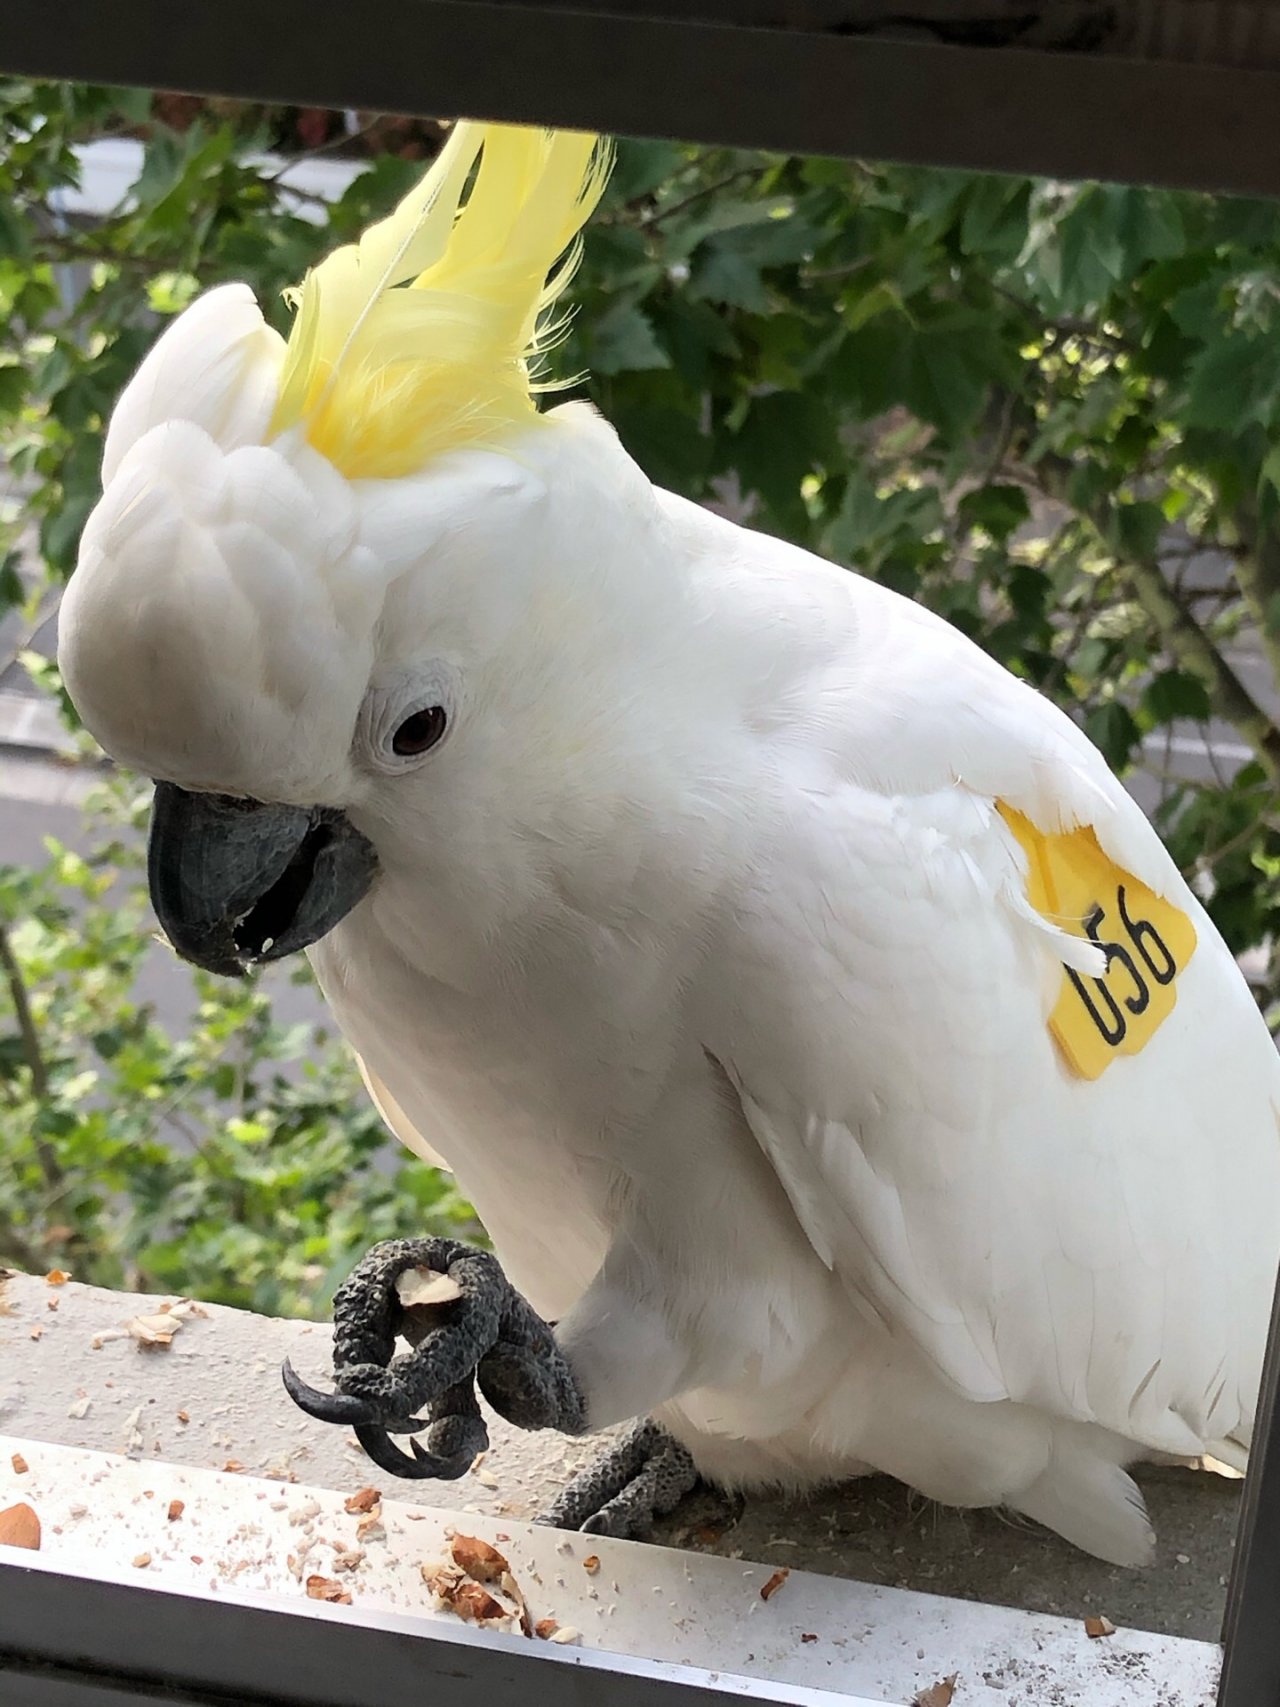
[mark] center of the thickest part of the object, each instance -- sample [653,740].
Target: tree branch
[17,1249]
[1193,649]
[1179,628]
[1258,574]
[31,1051]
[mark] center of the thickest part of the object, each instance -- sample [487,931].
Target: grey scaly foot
[642,1477]
[488,1336]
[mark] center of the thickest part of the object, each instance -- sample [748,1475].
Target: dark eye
[419,732]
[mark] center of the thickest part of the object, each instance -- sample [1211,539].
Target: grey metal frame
[1151,91]
[70,1640]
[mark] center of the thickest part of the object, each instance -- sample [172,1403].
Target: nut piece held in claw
[422,1288]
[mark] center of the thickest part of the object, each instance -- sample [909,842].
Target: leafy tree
[239,1160]
[1039,408]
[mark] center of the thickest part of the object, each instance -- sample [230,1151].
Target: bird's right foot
[487,1336]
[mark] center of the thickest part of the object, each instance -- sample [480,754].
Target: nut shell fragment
[20,1527]
[938,1694]
[477,1558]
[154,1330]
[371,1527]
[1099,1626]
[324,1588]
[468,1599]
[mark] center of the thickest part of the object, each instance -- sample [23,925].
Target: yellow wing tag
[1147,942]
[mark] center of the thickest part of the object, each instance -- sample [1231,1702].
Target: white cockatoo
[830,1047]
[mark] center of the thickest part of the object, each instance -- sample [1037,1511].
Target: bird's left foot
[486,1336]
[630,1484]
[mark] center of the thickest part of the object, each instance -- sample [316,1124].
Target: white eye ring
[403,721]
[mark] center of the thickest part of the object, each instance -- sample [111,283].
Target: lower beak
[236,882]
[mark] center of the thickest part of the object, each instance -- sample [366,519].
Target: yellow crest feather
[381,377]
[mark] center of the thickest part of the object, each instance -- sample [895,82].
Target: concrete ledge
[74,1381]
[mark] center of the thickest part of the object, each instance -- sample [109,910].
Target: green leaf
[1137,529]
[727,276]
[170,293]
[60,533]
[13,389]
[15,232]
[994,222]
[1175,693]
[12,591]
[997,510]
[859,307]
[640,168]
[623,340]
[948,373]
[693,335]
[1269,473]
[784,438]
[1113,731]
[1223,383]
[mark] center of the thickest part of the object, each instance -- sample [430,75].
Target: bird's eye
[419,732]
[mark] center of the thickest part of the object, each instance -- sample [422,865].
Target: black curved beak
[236,882]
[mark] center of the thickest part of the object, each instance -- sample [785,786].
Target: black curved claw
[328,1407]
[388,1456]
[456,1430]
[343,1407]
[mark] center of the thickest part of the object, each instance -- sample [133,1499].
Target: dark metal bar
[1251,1625]
[929,84]
[76,1640]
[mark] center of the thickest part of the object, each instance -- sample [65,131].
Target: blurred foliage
[216,1153]
[1046,410]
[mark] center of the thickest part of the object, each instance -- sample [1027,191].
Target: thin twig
[31,1051]
[14,1247]
[1232,843]
[659,214]
[26,1022]
[323,148]
[44,615]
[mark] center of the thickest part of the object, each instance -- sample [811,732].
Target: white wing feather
[1102,1250]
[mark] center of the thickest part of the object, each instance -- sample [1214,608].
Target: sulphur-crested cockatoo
[831,1049]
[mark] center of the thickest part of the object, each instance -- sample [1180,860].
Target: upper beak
[235,882]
